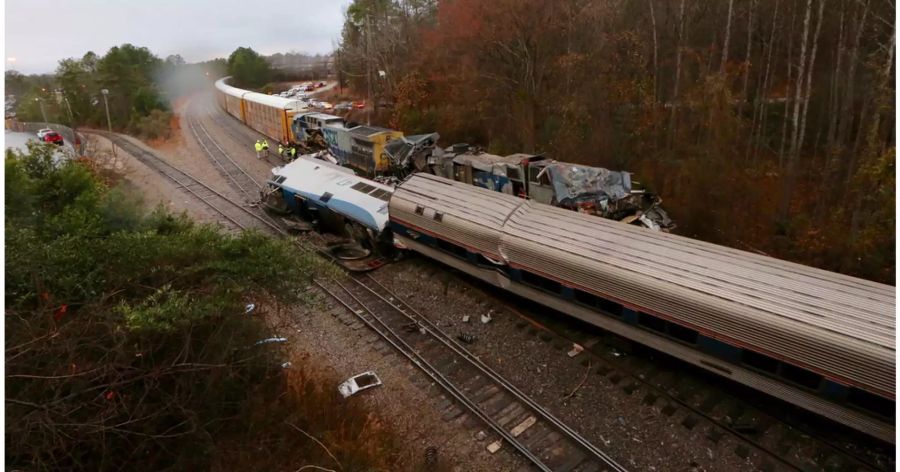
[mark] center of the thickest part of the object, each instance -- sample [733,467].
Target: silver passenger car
[821,340]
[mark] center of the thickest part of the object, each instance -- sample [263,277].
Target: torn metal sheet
[358,383]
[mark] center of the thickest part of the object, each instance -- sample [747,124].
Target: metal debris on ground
[358,383]
[249,308]
[431,455]
[576,350]
[271,340]
[286,365]
[466,338]
[486,318]
[465,318]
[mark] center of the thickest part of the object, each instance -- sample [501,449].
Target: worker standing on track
[259,147]
[293,152]
[265,144]
[280,150]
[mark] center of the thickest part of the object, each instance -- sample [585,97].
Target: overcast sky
[41,32]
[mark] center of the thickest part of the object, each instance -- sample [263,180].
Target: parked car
[42,132]
[359,104]
[343,106]
[326,105]
[52,137]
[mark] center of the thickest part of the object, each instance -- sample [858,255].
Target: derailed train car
[817,339]
[270,115]
[334,199]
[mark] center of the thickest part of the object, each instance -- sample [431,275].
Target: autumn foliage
[766,125]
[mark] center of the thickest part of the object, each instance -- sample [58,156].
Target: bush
[128,345]
[155,125]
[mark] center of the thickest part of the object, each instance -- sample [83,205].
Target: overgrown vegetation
[140,85]
[128,346]
[766,125]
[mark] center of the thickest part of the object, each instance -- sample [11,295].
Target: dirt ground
[407,400]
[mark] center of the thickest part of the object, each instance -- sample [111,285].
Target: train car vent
[325,197]
[280,179]
[438,216]
[420,210]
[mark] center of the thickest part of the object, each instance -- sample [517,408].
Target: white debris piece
[271,340]
[250,307]
[465,318]
[485,319]
[576,350]
[358,383]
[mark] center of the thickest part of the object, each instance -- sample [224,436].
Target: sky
[41,32]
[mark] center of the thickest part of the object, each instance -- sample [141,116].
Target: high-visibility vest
[258,146]
[293,151]
[280,149]
[265,144]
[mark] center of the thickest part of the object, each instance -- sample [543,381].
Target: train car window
[599,303]
[801,376]
[681,333]
[381,194]
[541,282]
[652,322]
[325,197]
[280,179]
[420,210]
[451,248]
[513,173]
[438,216]
[759,361]
[871,402]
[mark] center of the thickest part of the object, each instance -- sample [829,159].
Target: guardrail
[67,133]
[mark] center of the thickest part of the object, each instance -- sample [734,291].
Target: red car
[53,137]
[359,105]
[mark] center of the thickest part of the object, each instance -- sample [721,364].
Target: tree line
[767,125]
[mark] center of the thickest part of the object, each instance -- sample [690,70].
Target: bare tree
[727,38]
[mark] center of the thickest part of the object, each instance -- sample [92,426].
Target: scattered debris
[465,318]
[580,384]
[271,340]
[410,327]
[576,350]
[358,383]
[286,365]
[485,319]
[297,226]
[466,338]
[494,446]
[431,455]
[479,436]
[250,307]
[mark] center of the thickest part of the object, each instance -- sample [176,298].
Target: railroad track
[516,419]
[519,421]
[238,178]
[699,401]
[236,216]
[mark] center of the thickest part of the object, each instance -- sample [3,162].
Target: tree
[248,69]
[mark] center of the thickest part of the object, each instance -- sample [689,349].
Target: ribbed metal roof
[826,321]
[471,216]
[841,326]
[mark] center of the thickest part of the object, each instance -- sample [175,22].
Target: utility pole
[105,92]
[43,113]
[76,143]
[369,102]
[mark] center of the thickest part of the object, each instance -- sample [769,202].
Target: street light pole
[105,92]
[43,113]
[75,141]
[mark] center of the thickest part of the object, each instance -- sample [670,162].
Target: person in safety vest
[293,152]
[259,147]
[265,144]
[280,150]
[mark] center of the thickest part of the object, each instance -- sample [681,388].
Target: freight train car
[270,115]
[361,147]
[820,340]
